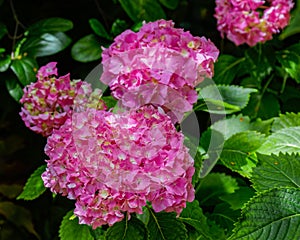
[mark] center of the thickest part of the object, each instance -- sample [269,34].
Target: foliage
[247,160]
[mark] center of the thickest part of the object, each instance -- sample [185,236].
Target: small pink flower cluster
[114,163]
[252,21]
[48,102]
[158,56]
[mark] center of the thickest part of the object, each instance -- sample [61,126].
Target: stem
[284,83]
[102,14]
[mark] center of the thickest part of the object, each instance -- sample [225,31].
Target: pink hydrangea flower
[158,56]
[114,163]
[250,22]
[48,102]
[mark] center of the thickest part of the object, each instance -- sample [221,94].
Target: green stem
[284,83]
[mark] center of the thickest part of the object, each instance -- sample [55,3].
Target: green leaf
[127,230]
[285,121]
[293,27]
[10,191]
[25,69]
[50,25]
[34,186]
[226,69]
[4,63]
[276,171]
[72,230]
[238,152]
[87,49]
[148,10]
[165,226]
[18,215]
[110,101]
[225,99]
[14,88]
[237,199]
[46,44]
[290,61]
[118,27]
[213,186]
[3,30]
[171,4]
[99,29]
[286,140]
[274,214]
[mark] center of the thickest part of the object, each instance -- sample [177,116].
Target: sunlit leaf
[286,120]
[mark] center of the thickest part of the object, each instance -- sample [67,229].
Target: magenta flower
[113,163]
[162,57]
[250,22]
[48,102]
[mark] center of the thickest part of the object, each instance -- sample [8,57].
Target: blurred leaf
[34,186]
[270,215]
[237,199]
[50,25]
[136,27]
[213,186]
[171,4]
[18,215]
[148,10]
[87,49]
[225,99]
[4,63]
[226,69]
[25,69]
[10,190]
[127,230]
[46,44]
[3,30]
[118,27]
[285,121]
[286,140]
[2,50]
[293,27]
[165,226]
[72,230]
[264,107]
[238,151]
[276,171]
[14,88]
[99,29]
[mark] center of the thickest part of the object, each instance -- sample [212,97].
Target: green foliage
[3,30]
[276,171]
[127,230]
[294,27]
[272,214]
[70,229]
[99,29]
[4,63]
[14,88]
[171,4]
[50,25]
[25,69]
[34,186]
[285,121]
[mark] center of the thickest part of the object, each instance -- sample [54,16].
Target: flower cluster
[158,57]
[49,101]
[114,163]
[252,21]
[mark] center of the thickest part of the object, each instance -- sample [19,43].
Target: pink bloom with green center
[113,163]
[48,102]
[250,22]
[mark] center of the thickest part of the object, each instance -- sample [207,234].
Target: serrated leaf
[276,171]
[99,29]
[25,69]
[46,44]
[72,230]
[238,151]
[148,10]
[225,99]
[213,186]
[226,69]
[127,230]
[285,121]
[50,25]
[165,226]
[237,199]
[286,140]
[14,88]
[34,186]
[87,49]
[272,214]
[4,63]
[18,215]
[171,4]
[3,30]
